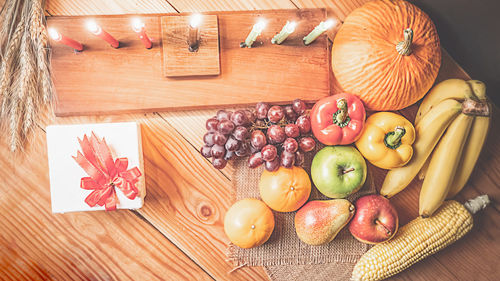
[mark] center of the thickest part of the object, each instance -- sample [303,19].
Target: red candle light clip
[95,29]
[139,27]
[58,37]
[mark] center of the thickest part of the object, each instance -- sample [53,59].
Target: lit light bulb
[290,27]
[195,20]
[137,24]
[54,34]
[260,25]
[329,23]
[93,27]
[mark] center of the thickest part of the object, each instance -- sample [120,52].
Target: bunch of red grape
[274,136]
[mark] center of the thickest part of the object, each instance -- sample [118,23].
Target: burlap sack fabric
[285,248]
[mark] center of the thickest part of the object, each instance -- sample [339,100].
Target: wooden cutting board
[130,79]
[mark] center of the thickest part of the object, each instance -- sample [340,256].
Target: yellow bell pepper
[387,139]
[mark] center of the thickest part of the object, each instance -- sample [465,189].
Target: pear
[319,221]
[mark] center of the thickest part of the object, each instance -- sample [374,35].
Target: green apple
[338,171]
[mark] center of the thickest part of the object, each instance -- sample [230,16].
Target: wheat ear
[41,43]
[9,64]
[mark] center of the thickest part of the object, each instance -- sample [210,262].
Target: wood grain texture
[129,79]
[186,197]
[178,60]
[32,251]
[108,7]
[341,8]
[230,5]
[38,245]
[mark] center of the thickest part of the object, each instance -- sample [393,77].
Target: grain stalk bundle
[25,82]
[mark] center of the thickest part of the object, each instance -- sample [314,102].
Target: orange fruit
[249,223]
[286,189]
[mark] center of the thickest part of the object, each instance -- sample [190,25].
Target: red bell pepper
[338,119]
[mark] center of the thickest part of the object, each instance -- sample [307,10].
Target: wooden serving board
[130,79]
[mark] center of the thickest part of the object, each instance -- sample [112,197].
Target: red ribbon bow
[105,173]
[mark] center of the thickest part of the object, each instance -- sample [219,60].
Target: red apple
[375,221]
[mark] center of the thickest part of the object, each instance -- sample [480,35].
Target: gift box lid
[123,139]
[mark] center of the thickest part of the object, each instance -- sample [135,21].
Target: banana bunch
[451,127]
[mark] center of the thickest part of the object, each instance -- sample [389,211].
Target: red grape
[244,150]
[307,144]
[269,152]
[229,155]
[225,127]
[275,134]
[275,114]
[240,133]
[299,158]
[239,118]
[211,124]
[206,151]
[299,106]
[208,138]
[290,114]
[223,115]
[290,145]
[272,166]
[304,124]
[219,138]
[218,151]
[232,144]
[287,159]
[292,131]
[250,116]
[219,163]
[261,110]
[258,139]
[255,160]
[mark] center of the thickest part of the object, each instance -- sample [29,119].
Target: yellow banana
[474,144]
[443,165]
[423,171]
[457,89]
[478,88]
[429,130]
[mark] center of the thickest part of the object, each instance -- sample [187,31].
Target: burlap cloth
[334,260]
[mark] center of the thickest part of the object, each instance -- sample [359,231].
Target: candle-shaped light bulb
[195,20]
[318,30]
[254,33]
[137,24]
[58,37]
[95,29]
[54,34]
[288,29]
[194,32]
[140,28]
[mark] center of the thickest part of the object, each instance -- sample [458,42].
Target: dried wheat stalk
[25,81]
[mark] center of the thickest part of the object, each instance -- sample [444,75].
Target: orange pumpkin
[286,189]
[249,223]
[387,52]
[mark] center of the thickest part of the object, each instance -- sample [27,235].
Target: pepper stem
[404,47]
[341,117]
[393,139]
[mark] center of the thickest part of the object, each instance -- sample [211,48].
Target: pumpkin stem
[393,139]
[404,47]
[341,117]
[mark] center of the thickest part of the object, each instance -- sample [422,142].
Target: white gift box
[123,139]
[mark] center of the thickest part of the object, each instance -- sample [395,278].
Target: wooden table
[178,235]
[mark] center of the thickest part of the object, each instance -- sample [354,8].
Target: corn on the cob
[418,239]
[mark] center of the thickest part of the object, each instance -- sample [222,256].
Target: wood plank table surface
[178,234]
